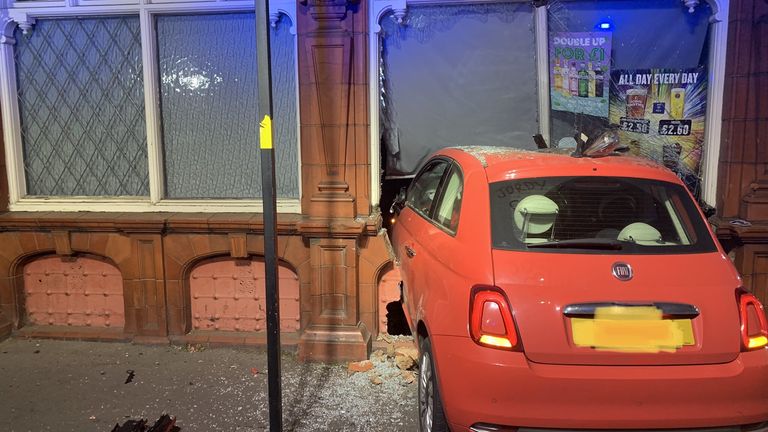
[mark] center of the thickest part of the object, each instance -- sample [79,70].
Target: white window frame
[716,74]
[24,14]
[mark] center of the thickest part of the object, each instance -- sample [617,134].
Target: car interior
[589,209]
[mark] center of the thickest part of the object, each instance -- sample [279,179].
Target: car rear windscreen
[596,215]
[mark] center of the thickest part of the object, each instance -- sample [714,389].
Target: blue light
[604,26]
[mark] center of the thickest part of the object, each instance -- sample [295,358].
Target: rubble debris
[404,362]
[406,357]
[165,423]
[391,350]
[378,355]
[408,376]
[393,363]
[413,353]
[375,379]
[195,348]
[131,375]
[361,366]
[254,371]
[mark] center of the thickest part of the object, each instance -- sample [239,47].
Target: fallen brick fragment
[361,366]
[413,353]
[408,376]
[404,362]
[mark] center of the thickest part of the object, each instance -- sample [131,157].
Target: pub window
[455,75]
[638,66]
[126,107]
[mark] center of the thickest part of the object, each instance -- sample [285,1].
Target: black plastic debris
[131,375]
[131,426]
[165,423]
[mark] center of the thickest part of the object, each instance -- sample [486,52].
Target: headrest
[640,233]
[535,214]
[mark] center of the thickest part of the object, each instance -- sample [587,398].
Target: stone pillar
[5,323]
[743,170]
[333,91]
[145,289]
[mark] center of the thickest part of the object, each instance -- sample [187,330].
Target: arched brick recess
[135,256]
[15,284]
[229,295]
[375,262]
[184,252]
[155,254]
[81,291]
[389,291]
[17,249]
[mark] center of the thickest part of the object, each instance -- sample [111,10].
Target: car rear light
[754,326]
[490,319]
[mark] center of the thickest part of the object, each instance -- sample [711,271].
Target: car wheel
[431,415]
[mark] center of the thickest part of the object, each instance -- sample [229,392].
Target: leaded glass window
[81,103]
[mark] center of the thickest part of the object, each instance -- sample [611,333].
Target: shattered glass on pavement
[206,389]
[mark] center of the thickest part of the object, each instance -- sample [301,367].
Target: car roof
[506,163]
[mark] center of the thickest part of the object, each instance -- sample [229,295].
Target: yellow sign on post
[265,133]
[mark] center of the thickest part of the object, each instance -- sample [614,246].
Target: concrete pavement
[81,386]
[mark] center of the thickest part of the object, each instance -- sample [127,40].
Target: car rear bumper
[483,385]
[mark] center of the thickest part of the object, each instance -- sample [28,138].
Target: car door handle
[410,252]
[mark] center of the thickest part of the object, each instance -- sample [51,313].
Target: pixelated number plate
[631,329]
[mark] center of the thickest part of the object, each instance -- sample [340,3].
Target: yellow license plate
[631,329]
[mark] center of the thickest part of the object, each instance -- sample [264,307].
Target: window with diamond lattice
[81,102]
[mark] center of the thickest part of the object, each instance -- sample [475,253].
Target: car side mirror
[707,209]
[399,202]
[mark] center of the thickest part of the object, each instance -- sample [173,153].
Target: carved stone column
[755,117]
[743,174]
[333,90]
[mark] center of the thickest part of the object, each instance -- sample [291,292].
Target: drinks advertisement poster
[660,114]
[579,72]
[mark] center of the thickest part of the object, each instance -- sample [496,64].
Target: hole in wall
[397,325]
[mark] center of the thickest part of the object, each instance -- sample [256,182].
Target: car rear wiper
[595,243]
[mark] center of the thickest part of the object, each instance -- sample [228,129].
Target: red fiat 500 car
[558,292]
